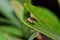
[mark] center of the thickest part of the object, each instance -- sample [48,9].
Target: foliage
[17,13]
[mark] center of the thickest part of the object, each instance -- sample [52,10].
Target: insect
[31,19]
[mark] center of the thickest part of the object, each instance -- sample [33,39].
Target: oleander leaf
[44,14]
[44,19]
[59,2]
[6,9]
[6,36]
[11,30]
[24,28]
[4,20]
[24,1]
[33,35]
[2,37]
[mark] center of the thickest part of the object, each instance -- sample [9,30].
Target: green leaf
[44,14]
[6,9]
[5,20]
[59,2]
[5,36]
[33,35]
[25,1]
[25,29]
[2,36]
[44,20]
[12,30]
